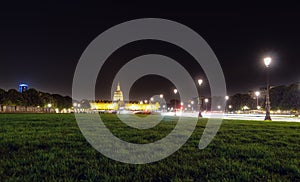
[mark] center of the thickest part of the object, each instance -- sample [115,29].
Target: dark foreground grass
[35,147]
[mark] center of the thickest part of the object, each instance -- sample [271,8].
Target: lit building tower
[118,95]
[23,87]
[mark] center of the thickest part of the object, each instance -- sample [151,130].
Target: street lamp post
[200,81]
[192,102]
[267,62]
[206,101]
[257,93]
[49,107]
[175,92]
[151,103]
[161,96]
[226,99]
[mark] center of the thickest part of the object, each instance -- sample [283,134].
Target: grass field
[35,147]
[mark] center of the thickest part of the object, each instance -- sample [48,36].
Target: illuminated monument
[118,102]
[118,95]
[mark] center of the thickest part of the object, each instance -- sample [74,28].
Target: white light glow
[267,61]
[175,91]
[200,81]
[257,93]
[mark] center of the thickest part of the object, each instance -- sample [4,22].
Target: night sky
[41,42]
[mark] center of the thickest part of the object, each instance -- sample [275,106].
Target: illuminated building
[128,106]
[23,87]
[142,107]
[118,95]
[118,102]
[104,106]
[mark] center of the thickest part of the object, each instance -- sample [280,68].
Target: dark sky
[41,42]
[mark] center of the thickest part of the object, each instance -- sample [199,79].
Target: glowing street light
[146,101]
[267,62]
[257,94]
[161,96]
[175,92]
[200,81]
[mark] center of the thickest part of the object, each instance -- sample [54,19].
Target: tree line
[35,98]
[281,97]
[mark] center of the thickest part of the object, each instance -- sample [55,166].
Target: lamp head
[257,93]
[267,61]
[175,91]
[200,81]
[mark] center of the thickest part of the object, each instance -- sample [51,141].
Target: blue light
[23,87]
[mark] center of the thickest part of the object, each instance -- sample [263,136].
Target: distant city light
[49,105]
[226,97]
[206,100]
[161,96]
[245,108]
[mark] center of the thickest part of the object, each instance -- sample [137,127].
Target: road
[288,118]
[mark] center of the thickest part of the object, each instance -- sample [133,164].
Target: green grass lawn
[35,147]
